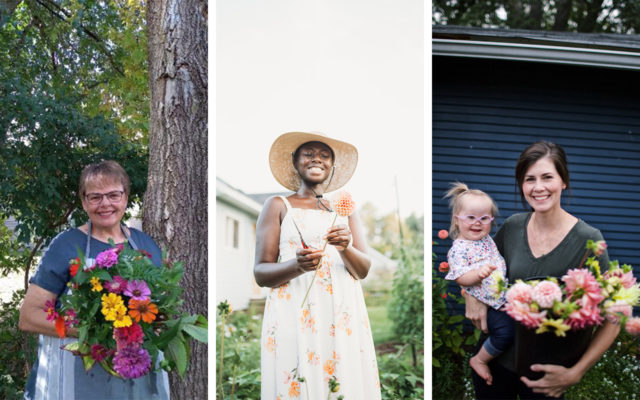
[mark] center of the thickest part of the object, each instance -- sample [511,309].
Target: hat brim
[281,159]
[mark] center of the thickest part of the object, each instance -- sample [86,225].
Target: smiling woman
[57,374]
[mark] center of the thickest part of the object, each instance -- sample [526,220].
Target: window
[233,232]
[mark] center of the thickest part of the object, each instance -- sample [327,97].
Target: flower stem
[319,264]
[222,356]
[233,384]
[584,258]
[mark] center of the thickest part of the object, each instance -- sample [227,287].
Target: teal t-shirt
[513,244]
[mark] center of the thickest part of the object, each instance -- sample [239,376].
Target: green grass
[381,326]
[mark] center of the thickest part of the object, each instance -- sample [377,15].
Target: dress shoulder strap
[286,202]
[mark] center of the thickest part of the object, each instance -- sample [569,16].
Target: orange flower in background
[294,389]
[271,344]
[342,203]
[443,267]
[330,367]
[443,234]
[142,309]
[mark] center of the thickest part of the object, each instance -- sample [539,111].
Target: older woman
[57,374]
[318,345]
[544,242]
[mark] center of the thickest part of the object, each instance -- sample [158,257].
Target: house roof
[589,49]
[236,198]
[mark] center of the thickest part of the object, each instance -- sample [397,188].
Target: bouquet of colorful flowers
[126,311]
[582,298]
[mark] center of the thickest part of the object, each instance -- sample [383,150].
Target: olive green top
[513,244]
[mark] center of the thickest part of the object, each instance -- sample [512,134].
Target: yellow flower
[112,306]
[557,324]
[122,319]
[629,296]
[96,286]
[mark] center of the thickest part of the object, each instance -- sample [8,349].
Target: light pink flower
[617,308]
[633,326]
[545,292]
[626,279]
[519,292]
[600,247]
[522,313]
[579,278]
[584,317]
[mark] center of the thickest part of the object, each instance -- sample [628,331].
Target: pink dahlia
[599,248]
[545,293]
[137,290]
[522,313]
[579,278]
[520,292]
[117,285]
[107,258]
[619,307]
[584,317]
[626,278]
[633,326]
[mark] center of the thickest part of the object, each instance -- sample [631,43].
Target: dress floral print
[328,338]
[468,255]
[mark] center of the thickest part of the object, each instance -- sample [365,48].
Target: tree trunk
[175,203]
[562,15]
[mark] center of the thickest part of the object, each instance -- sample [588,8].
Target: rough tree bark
[175,204]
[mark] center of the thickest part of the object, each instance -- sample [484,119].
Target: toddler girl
[472,259]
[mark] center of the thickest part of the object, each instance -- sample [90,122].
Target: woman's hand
[556,380]
[476,311]
[338,236]
[308,259]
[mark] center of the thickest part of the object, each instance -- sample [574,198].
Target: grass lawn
[381,326]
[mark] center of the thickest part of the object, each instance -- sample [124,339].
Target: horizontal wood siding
[486,112]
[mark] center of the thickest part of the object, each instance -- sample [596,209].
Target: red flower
[74,265]
[443,267]
[61,328]
[443,295]
[443,234]
[146,253]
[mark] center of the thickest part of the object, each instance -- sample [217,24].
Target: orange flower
[443,267]
[294,389]
[144,309]
[342,203]
[443,234]
[271,344]
[330,289]
[74,265]
[61,328]
[330,367]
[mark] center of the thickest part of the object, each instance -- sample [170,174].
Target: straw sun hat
[281,159]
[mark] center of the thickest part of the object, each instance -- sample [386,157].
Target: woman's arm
[355,256]
[267,271]
[32,316]
[557,379]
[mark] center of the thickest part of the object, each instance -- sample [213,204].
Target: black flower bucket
[548,348]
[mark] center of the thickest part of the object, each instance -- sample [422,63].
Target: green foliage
[241,358]
[18,350]
[399,379]
[616,16]
[13,254]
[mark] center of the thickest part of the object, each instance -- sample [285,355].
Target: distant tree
[592,16]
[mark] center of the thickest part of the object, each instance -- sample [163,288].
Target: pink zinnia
[522,312]
[117,285]
[99,352]
[633,326]
[70,318]
[130,335]
[137,290]
[107,258]
[617,308]
[545,293]
[519,292]
[50,309]
[132,362]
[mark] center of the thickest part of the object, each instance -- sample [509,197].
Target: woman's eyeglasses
[96,198]
[472,219]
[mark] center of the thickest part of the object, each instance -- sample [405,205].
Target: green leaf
[103,275]
[88,362]
[196,332]
[177,352]
[163,340]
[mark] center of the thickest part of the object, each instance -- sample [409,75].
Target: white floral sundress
[327,339]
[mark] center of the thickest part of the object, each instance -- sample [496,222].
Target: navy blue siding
[486,112]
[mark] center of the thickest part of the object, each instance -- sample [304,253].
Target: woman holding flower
[58,374]
[309,340]
[547,241]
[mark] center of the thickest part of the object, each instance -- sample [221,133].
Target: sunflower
[142,309]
